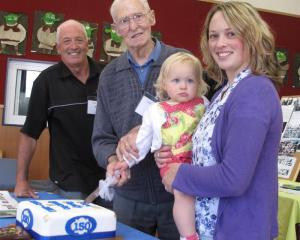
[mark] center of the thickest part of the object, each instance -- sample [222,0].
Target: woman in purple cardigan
[235,146]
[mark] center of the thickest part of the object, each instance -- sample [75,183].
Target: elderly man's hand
[127,145]
[170,175]
[113,166]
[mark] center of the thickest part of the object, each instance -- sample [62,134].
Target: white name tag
[143,105]
[92,105]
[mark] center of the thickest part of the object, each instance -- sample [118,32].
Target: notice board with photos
[289,150]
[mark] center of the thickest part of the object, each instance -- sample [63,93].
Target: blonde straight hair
[248,25]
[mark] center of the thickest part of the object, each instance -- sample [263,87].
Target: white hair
[117,2]
[69,22]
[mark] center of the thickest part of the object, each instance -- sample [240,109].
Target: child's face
[181,83]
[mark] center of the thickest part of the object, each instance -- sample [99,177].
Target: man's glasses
[123,24]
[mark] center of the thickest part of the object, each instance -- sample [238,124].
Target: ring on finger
[157,155]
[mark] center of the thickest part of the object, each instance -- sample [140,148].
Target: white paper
[143,105]
[8,205]
[92,105]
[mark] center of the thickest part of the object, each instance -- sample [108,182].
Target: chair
[8,169]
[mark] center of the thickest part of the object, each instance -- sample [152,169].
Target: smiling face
[140,20]
[72,44]
[226,48]
[181,83]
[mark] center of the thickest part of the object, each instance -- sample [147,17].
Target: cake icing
[65,219]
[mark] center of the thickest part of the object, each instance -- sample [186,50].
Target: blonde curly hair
[180,57]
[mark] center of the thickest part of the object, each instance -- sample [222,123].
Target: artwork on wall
[282,57]
[112,44]
[296,75]
[44,32]
[13,33]
[91,31]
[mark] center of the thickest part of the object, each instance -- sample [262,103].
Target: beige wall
[9,139]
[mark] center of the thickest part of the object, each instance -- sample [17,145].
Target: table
[288,211]
[124,231]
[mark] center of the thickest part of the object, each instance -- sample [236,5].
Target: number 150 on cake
[65,219]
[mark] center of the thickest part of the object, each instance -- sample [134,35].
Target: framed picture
[288,167]
[21,74]
[289,149]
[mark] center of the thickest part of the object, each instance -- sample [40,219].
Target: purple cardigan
[245,144]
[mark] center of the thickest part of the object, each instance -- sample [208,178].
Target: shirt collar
[153,56]
[93,70]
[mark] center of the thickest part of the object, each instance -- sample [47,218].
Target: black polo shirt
[60,100]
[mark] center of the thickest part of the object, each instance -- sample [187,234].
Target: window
[20,76]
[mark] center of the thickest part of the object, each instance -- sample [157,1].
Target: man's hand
[127,145]
[23,189]
[114,165]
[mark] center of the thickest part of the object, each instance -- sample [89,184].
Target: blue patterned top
[206,208]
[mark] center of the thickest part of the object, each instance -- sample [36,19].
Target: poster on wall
[296,75]
[112,44]
[91,32]
[44,32]
[282,58]
[13,32]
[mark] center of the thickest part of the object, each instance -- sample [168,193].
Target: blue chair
[8,169]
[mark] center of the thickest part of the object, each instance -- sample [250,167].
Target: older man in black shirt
[64,97]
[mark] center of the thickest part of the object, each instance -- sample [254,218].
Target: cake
[65,219]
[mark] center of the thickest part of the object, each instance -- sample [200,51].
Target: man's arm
[27,146]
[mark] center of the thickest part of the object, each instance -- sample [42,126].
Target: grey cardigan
[119,93]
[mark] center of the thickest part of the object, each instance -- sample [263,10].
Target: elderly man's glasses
[138,18]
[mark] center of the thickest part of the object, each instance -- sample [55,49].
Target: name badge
[145,102]
[92,105]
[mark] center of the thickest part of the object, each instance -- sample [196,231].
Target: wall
[9,139]
[179,21]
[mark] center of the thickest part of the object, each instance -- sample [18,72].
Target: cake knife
[90,198]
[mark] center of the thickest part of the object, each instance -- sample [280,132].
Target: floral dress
[206,208]
[181,121]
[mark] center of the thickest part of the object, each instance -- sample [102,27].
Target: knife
[107,183]
[90,198]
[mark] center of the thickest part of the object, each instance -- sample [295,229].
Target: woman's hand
[170,175]
[127,145]
[163,156]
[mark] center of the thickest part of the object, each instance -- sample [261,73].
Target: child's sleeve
[149,134]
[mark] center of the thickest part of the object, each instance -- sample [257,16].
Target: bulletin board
[289,150]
